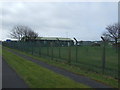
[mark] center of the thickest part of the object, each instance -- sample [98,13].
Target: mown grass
[36,76]
[108,80]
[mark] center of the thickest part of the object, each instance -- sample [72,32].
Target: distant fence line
[86,57]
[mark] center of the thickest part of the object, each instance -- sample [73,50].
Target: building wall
[55,43]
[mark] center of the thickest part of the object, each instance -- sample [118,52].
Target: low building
[8,40]
[85,43]
[118,41]
[55,41]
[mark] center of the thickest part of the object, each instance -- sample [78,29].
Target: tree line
[25,33]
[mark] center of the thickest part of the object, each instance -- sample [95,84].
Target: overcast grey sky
[83,20]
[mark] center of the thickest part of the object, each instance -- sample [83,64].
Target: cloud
[83,20]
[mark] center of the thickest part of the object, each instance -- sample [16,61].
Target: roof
[54,38]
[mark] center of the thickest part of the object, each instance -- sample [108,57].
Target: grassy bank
[36,76]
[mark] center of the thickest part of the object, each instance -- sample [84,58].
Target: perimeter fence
[89,58]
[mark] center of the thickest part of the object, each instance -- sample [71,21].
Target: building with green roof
[55,41]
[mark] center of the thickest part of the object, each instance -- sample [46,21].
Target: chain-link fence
[86,57]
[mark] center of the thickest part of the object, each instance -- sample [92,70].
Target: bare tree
[113,32]
[23,32]
[17,32]
[32,35]
[106,36]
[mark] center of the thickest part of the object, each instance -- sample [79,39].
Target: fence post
[118,59]
[18,45]
[39,49]
[76,53]
[59,51]
[32,47]
[76,48]
[69,55]
[52,50]
[27,46]
[48,50]
[23,49]
[104,55]
[59,48]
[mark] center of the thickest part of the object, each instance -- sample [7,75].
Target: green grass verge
[81,71]
[36,76]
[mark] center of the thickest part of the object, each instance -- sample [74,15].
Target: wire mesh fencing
[86,57]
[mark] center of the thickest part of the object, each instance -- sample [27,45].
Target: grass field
[78,70]
[36,76]
[87,57]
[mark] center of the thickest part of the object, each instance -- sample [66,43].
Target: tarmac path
[73,76]
[10,79]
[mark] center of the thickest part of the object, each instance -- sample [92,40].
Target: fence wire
[86,57]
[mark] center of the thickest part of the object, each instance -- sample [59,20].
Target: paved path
[73,76]
[10,79]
